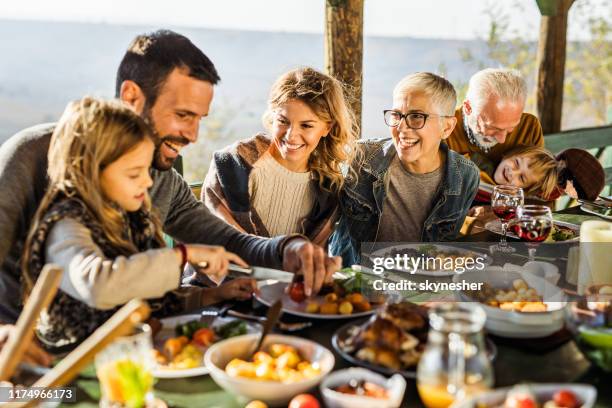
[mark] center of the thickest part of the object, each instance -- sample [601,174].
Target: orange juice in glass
[124,370]
[454,363]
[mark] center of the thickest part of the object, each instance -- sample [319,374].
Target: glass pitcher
[455,362]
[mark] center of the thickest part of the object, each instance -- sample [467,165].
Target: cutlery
[272,316]
[605,205]
[209,315]
[288,327]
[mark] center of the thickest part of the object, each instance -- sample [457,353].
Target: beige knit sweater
[281,197]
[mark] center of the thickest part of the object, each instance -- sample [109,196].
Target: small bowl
[587,394]
[396,386]
[273,393]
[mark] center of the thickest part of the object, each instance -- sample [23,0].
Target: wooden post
[551,62]
[344,46]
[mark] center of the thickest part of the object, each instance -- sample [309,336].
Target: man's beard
[160,162]
[482,140]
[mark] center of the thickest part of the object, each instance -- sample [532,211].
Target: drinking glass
[124,369]
[504,202]
[455,363]
[533,224]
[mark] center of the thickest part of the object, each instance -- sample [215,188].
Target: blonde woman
[95,221]
[288,179]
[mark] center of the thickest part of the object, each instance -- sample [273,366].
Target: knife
[260,273]
[599,204]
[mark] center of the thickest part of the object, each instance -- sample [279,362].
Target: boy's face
[419,149]
[515,171]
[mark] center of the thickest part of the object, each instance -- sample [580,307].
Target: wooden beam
[344,47]
[551,67]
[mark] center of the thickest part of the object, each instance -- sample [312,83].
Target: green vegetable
[189,328]
[232,329]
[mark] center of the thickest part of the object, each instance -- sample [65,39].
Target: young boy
[410,187]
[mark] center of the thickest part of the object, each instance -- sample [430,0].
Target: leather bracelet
[183,250]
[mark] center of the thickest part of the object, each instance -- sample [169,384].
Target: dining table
[555,359]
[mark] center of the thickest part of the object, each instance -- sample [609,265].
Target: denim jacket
[361,201]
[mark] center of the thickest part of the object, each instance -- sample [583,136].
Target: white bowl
[273,393]
[519,324]
[587,394]
[396,386]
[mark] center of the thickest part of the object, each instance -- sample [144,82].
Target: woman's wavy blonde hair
[327,98]
[91,134]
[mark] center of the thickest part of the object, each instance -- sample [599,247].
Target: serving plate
[270,292]
[383,252]
[167,331]
[496,228]
[344,332]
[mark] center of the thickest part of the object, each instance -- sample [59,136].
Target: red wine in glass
[533,231]
[533,224]
[505,212]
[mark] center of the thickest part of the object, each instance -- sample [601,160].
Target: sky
[449,19]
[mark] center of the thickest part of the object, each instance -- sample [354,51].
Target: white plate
[512,324]
[270,293]
[167,331]
[382,252]
[587,394]
[591,210]
[495,227]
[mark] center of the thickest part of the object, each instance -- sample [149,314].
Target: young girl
[95,221]
[287,181]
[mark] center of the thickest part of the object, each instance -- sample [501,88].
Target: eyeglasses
[414,120]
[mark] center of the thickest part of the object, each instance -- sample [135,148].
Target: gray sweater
[23,181]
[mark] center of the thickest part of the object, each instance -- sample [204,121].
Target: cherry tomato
[304,401]
[565,399]
[296,292]
[525,402]
[204,337]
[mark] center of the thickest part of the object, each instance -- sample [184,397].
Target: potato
[534,307]
[519,283]
[355,298]
[288,359]
[240,368]
[345,308]
[331,298]
[312,307]
[265,371]
[278,349]
[256,404]
[262,357]
[329,308]
[364,306]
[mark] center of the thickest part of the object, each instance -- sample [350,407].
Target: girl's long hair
[91,134]
[327,98]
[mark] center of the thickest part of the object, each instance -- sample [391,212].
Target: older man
[166,79]
[491,121]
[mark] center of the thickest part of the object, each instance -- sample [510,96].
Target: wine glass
[533,224]
[504,202]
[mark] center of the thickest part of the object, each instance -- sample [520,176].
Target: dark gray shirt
[408,202]
[23,182]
